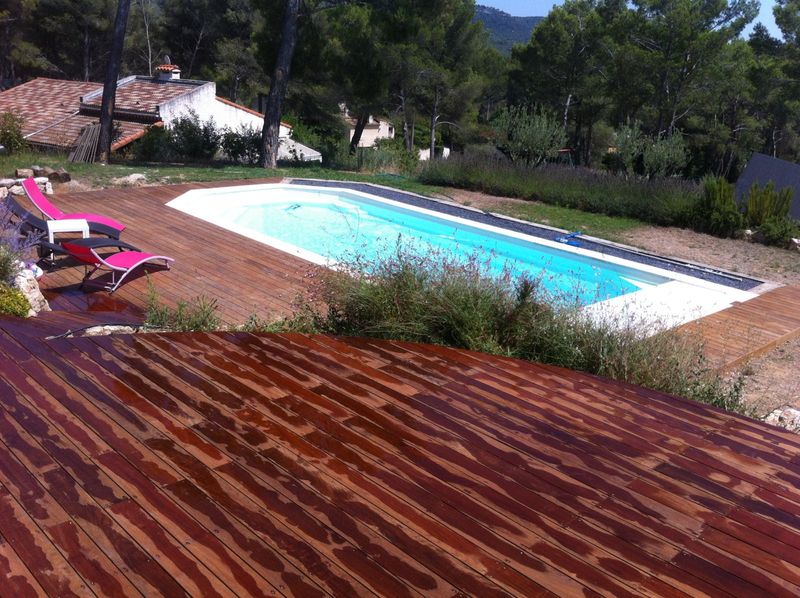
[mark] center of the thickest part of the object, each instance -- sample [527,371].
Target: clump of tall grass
[662,201]
[436,298]
[196,315]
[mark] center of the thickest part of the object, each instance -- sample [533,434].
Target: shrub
[667,202]
[155,145]
[718,213]
[664,156]
[765,204]
[13,302]
[11,132]
[628,145]
[531,136]
[242,146]
[778,231]
[434,298]
[193,139]
[14,246]
[196,315]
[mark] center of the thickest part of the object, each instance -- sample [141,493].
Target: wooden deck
[746,330]
[244,276]
[234,464]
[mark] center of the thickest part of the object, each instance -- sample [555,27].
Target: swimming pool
[325,225]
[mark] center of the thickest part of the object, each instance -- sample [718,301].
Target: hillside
[505,30]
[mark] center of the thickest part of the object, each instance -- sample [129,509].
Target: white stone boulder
[16,190]
[23,173]
[786,417]
[26,282]
[132,180]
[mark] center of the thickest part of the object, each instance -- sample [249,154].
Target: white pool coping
[684,298]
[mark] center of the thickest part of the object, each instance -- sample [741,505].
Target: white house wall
[204,102]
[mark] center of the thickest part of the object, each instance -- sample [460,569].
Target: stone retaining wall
[44,177]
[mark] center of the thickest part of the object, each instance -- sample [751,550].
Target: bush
[628,145]
[667,202]
[13,302]
[155,145]
[14,246]
[718,213]
[196,315]
[11,132]
[434,298]
[242,146]
[778,231]
[664,156]
[531,136]
[767,204]
[194,140]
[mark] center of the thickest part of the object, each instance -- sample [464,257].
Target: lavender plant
[15,245]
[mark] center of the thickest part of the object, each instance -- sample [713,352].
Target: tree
[279,82]
[110,83]
[529,134]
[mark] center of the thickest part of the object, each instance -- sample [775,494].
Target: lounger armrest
[100,243]
[102,229]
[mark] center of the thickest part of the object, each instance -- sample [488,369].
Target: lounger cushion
[105,220]
[128,259]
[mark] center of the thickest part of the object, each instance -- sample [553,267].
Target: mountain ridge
[504,29]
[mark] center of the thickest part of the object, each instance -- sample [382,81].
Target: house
[762,169]
[375,129]
[55,112]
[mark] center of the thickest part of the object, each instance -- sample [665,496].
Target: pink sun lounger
[53,213]
[123,262]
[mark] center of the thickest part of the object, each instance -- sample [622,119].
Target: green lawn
[98,175]
[597,225]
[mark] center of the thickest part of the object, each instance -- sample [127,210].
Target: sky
[539,8]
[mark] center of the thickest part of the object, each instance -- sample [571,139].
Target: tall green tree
[110,83]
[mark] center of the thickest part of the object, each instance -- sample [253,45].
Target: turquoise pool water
[336,225]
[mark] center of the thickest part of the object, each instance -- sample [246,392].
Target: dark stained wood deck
[235,464]
[244,276]
[735,335]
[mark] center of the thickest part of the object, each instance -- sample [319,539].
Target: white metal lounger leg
[112,286]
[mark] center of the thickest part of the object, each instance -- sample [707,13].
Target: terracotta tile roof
[144,95]
[43,102]
[64,133]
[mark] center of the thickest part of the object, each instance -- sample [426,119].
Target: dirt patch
[771,381]
[751,259]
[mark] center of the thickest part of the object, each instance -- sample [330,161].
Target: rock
[786,417]
[111,329]
[38,171]
[132,180]
[23,173]
[40,180]
[63,176]
[7,182]
[3,192]
[48,188]
[748,235]
[48,172]
[16,190]
[794,244]
[26,282]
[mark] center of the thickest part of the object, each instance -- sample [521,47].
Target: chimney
[165,72]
